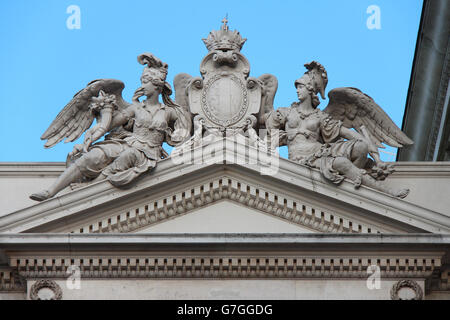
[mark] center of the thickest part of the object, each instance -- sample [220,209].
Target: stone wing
[181,82]
[357,110]
[76,117]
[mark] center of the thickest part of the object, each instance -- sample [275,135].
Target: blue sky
[43,63]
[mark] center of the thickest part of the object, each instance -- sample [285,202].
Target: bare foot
[402,193]
[40,196]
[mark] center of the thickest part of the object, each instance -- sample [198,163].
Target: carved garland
[251,196]
[49,284]
[406,284]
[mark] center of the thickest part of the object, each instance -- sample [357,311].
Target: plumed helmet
[155,69]
[315,79]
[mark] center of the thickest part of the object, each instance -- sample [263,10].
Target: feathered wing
[181,82]
[76,117]
[357,110]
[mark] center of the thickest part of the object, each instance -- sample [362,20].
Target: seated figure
[137,130]
[324,139]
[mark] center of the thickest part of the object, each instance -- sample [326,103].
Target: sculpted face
[152,81]
[302,92]
[150,86]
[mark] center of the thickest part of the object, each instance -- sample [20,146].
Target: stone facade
[223,231]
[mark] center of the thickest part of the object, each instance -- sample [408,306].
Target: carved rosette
[413,285]
[45,284]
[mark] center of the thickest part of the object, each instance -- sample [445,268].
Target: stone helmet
[155,70]
[315,79]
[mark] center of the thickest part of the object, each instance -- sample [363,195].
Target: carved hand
[372,147]
[278,116]
[177,135]
[76,149]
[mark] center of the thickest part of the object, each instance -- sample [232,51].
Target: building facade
[223,221]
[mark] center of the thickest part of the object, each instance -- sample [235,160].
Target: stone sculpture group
[224,102]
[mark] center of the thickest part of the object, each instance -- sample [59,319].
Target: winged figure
[136,130]
[88,104]
[325,139]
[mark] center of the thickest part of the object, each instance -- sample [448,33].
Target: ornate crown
[224,39]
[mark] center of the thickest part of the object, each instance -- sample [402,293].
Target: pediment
[295,199]
[226,217]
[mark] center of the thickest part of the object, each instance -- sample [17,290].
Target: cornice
[222,256]
[27,169]
[231,256]
[225,266]
[132,241]
[422,169]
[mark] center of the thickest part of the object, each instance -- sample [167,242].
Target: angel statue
[136,131]
[325,139]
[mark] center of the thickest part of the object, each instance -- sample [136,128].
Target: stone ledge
[57,239]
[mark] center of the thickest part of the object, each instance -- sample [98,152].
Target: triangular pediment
[226,217]
[293,199]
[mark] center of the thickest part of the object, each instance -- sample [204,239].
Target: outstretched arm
[122,117]
[107,118]
[97,131]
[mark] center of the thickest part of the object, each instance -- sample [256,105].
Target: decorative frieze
[226,188]
[224,266]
